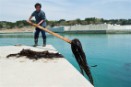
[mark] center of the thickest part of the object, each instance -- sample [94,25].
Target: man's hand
[29,21]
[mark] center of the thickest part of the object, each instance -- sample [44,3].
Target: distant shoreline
[63,29]
[17,30]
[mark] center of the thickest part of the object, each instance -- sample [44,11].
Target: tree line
[63,22]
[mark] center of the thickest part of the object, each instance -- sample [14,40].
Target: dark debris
[35,55]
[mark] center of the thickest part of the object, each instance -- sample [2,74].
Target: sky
[14,10]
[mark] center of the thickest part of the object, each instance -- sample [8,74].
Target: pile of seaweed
[35,55]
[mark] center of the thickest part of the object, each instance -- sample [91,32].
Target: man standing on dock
[40,20]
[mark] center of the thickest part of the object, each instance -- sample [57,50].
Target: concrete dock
[24,72]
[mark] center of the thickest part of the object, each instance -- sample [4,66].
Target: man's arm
[43,18]
[30,18]
[40,22]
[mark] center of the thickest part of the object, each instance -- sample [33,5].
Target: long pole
[49,31]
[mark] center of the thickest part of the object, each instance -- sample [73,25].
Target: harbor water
[110,52]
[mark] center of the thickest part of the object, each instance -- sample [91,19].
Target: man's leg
[36,36]
[44,37]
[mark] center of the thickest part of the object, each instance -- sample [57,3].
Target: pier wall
[98,28]
[89,27]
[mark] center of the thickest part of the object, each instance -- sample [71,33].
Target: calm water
[111,52]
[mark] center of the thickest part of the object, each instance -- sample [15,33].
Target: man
[40,20]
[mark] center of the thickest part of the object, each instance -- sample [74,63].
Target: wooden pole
[49,31]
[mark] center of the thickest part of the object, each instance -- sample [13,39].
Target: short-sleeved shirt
[40,16]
